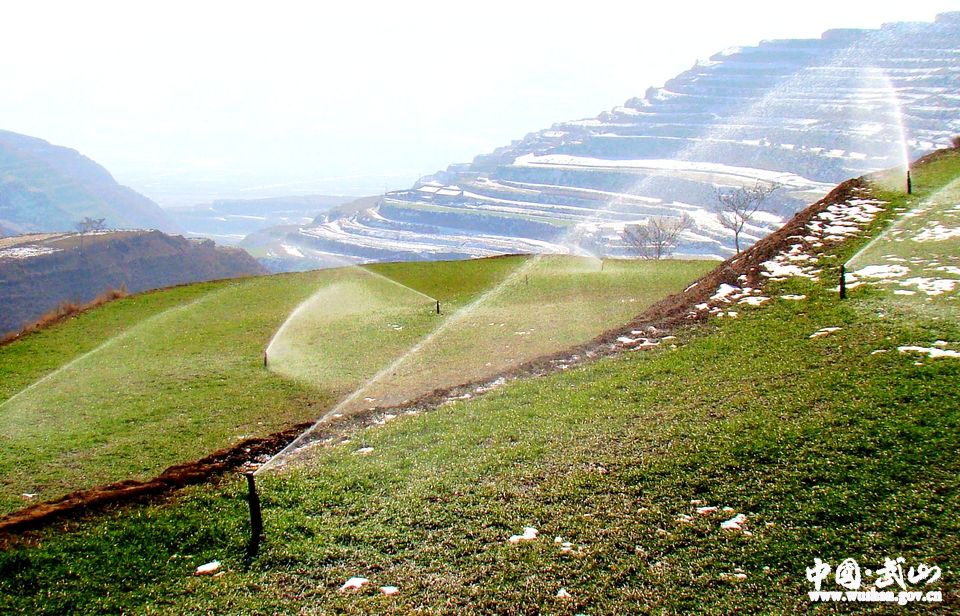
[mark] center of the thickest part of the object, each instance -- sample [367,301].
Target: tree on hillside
[89,225]
[737,207]
[657,237]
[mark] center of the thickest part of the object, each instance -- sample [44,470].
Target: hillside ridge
[40,272]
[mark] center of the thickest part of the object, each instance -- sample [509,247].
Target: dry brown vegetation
[62,312]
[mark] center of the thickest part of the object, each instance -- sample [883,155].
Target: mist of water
[81,359]
[452,321]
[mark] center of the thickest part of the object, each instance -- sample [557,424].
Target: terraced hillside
[803,113]
[780,428]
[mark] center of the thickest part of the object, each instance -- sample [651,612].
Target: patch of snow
[363,451]
[883,271]
[724,290]
[27,252]
[824,331]
[932,286]
[208,569]
[937,233]
[734,523]
[293,251]
[389,590]
[354,583]
[529,534]
[932,352]
[793,298]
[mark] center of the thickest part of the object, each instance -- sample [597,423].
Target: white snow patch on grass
[824,331]
[937,233]
[883,271]
[208,569]
[529,534]
[932,352]
[354,583]
[932,286]
[734,523]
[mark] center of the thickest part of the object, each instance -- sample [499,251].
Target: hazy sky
[358,96]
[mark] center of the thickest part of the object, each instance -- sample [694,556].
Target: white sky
[358,96]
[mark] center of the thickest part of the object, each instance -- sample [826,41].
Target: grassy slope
[184,376]
[844,452]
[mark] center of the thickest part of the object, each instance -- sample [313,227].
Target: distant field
[156,379]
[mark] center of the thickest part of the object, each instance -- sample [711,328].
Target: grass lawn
[152,380]
[828,450]
[916,260]
[831,447]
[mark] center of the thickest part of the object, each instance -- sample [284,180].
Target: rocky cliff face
[802,113]
[44,188]
[39,272]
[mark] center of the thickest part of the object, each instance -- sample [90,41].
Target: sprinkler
[256,519]
[843,282]
[264,359]
[909,183]
[438,306]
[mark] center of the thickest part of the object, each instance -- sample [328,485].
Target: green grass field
[916,260]
[832,447]
[166,377]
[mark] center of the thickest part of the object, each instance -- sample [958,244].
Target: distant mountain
[802,113]
[39,272]
[228,221]
[45,188]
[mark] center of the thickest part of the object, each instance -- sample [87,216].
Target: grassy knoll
[545,306]
[129,389]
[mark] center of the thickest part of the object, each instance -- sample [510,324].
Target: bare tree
[737,207]
[89,225]
[955,141]
[657,237]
